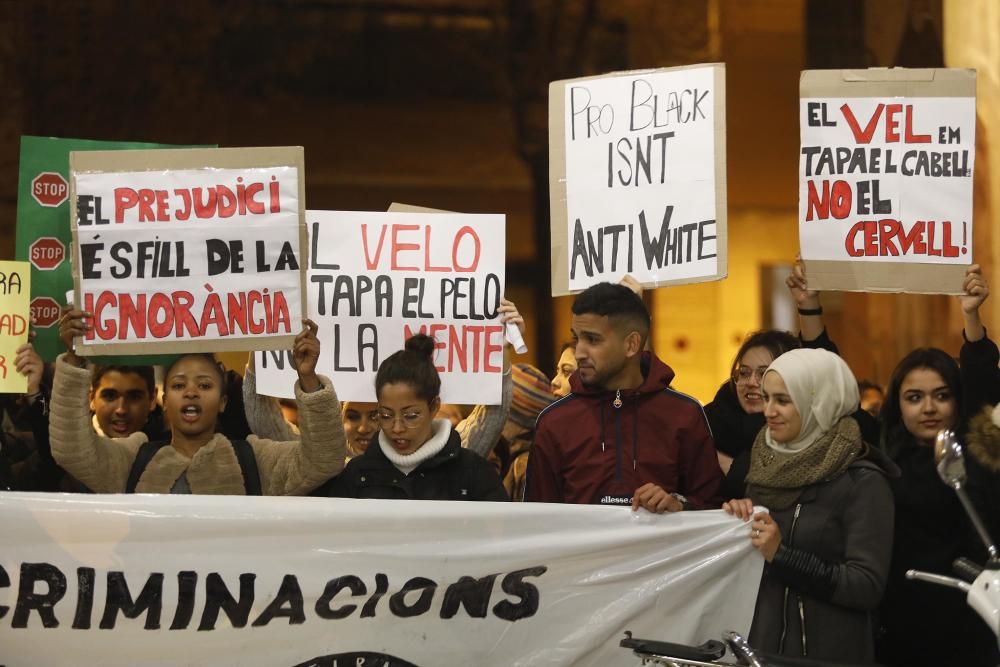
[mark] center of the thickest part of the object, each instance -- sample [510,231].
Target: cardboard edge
[885,82]
[188,346]
[886,277]
[558,211]
[721,176]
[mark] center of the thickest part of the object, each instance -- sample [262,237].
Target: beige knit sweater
[103,464]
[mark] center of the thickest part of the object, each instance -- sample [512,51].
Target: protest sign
[214,580]
[637,165]
[189,250]
[43,229]
[15,296]
[885,178]
[377,278]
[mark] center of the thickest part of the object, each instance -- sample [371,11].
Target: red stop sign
[49,189]
[46,253]
[44,311]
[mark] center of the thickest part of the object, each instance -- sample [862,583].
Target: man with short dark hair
[623,436]
[122,399]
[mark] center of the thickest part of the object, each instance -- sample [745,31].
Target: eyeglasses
[410,420]
[744,373]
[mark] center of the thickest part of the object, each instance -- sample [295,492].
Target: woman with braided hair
[826,536]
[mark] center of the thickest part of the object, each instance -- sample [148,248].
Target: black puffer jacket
[453,473]
[819,594]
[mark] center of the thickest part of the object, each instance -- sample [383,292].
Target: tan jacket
[103,464]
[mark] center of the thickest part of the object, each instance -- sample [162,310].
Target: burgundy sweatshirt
[588,451]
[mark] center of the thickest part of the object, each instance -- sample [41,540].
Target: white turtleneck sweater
[407,463]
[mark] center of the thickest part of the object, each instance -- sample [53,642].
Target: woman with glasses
[414,455]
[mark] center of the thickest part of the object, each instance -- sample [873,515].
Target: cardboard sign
[637,165]
[885,178]
[189,250]
[377,278]
[43,231]
[123,580]
[15,315]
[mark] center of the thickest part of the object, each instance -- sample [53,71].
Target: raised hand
[305,355]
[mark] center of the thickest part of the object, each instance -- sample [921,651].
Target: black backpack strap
[248,465]
[142,458]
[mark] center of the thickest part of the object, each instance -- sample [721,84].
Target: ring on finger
[756,532]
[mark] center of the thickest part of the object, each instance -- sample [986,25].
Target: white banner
[886,179]
[189,254]
[377,278]
[642,175]
[199,580]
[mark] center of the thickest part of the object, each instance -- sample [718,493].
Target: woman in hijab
[827,535]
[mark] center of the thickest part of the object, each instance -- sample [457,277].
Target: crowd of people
[845,470]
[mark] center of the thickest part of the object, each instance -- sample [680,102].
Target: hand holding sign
[73,324]
[305,354]
[976,289]
[30,365]
[799,286]
[510,316]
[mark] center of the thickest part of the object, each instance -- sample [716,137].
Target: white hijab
[823,390]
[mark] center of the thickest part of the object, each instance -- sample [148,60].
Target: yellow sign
[15,297]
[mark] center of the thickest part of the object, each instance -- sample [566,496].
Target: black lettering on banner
[286,604]
[217,597]
[187,584]
[150,601]
[334,586]
[652,247]
[119,254]
[397,601]
[584,249]
[4,583]
[286,260]
[315,263]
[85,578]
[473,594]
[514,584]
[381,588]
[703,238]
[223,257]
[43,603]
[89,260]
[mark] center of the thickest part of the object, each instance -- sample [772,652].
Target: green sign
[43,233]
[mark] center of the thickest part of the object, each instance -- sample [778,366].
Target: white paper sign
[641,185]
[887,179]
[124,580]
[177,255]
[377,278]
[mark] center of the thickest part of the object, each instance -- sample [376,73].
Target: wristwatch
[684,501]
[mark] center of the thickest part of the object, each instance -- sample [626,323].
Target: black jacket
[453,473]
[924,624]
[980,374]
[822,588]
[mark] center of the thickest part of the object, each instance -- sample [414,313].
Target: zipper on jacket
[618,446]
[784,604]
[802,623]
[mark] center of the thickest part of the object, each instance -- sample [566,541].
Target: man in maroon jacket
[623,436]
